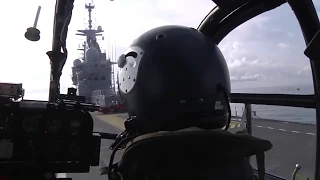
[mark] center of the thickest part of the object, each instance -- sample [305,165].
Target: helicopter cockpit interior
[57,135]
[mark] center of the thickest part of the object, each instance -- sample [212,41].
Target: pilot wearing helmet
[173,78]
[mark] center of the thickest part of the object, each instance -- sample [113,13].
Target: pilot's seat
[196,154]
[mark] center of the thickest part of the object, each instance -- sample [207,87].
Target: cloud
[246,77]
[267,50]
[305,71]
[284,45]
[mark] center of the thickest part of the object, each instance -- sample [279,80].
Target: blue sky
[265,51]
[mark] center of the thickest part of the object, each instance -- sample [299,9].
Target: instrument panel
[44,123]
[46,138]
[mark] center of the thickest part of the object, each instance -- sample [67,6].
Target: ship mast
[90,33]
[90,7]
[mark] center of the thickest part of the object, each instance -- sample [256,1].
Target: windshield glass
[264,55]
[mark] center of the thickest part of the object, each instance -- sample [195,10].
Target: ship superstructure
[92,73]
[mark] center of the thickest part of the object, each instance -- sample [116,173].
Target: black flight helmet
[174,77]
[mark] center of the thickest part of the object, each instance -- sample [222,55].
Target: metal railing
[237,114]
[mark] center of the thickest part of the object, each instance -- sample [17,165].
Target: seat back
[200,154]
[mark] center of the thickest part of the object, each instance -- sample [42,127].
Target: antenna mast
[90,6]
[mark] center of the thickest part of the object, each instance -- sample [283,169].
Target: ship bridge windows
[103,66]
[96,65]
[89,78]
[96,78]
[103,78]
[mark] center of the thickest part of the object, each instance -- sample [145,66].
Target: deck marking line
[295,131]
[270,128]
[313,134]
[113,120]
[282,130]
[61,175]
[259,126]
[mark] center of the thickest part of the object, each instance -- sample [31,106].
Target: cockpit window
[265,56]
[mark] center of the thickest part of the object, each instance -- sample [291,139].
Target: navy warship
[93,71]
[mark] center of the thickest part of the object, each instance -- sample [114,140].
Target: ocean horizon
[280,113]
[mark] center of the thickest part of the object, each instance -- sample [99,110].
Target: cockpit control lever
[294,174]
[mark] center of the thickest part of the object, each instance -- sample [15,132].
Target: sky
[265,51]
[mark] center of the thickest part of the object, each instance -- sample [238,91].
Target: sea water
[281,113]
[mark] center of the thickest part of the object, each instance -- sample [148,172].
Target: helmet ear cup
[128,64]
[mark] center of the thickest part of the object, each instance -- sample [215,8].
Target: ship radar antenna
[33,34]
[90,6]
